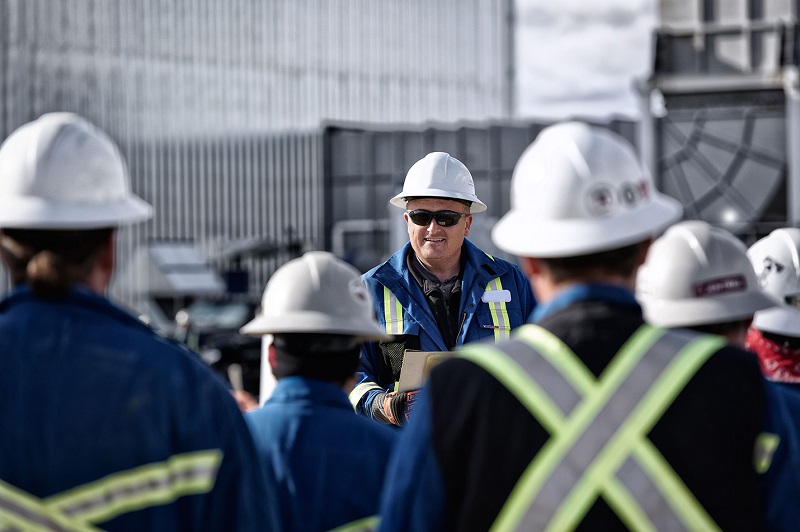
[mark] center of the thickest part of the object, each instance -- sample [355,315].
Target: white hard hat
[777,264]
[316,293]
[62,172]
[580,189]
[696,274]
[439,175]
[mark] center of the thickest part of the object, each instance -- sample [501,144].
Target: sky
[579,58]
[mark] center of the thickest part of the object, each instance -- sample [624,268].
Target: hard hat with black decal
[439,175]
[62,172]
[696,274]
[776,261]
[316,293]
[580,189]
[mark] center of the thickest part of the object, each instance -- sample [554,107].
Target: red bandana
[778,363]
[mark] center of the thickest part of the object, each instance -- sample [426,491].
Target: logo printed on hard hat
[770,265]
[723,285]
[600,200]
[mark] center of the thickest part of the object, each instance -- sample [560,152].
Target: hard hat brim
[782,320]
[314,322]
[705,311]
[38,213]
[524,234]
[400,199]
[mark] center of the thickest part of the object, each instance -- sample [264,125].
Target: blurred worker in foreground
[699,277]
[439,291]
[775,335]
[326,462]
[590,416]
[103,423]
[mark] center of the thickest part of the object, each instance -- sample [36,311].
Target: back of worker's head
[698,276]
[439,175]
[579,191]
[318,311]
[64,187]
[776,260]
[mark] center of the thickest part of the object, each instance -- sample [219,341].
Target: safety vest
[598,429]
[82,507]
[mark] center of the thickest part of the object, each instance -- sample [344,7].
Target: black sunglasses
[443,218]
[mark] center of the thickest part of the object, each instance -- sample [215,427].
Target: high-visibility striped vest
[598,429]
[82,507]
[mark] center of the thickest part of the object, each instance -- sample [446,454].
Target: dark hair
[620,261]
[790,342]
[724,328]
[51,261]
[327,357]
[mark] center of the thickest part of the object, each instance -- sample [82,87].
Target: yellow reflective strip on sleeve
[392,313]
[360,391]
[22,511]
[366,524]
[765,447]
[500,321]
[149,485]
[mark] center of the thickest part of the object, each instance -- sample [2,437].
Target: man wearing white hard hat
[775,335]
[439,291]
[103,423]
[699,277]
[587,417]
[326,463]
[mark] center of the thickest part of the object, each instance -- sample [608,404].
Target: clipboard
[416,367]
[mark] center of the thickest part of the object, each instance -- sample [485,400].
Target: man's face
[433,243]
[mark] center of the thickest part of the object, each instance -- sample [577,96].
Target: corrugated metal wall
[216,103]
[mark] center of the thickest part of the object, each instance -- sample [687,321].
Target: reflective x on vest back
[598,444]
[127,491]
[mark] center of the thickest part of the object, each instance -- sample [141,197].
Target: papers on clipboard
[416,367]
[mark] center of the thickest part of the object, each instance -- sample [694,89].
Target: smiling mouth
[434,240]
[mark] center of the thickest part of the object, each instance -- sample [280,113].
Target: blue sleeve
[368,385]
[780,483]
[413,494]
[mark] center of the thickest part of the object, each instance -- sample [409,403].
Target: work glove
[393,407]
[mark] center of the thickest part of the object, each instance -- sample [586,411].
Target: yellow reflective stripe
[626,506]
[392,313]
[629,440]
[23,511]
[366,524]
[552,453]
[500,322]
[559,355]
[518,382]
[765,447]
[660,395]
[148,485]
[361,390]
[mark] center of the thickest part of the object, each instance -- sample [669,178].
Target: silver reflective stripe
[558,388]
[392,313]
[639,484]
[599,431]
